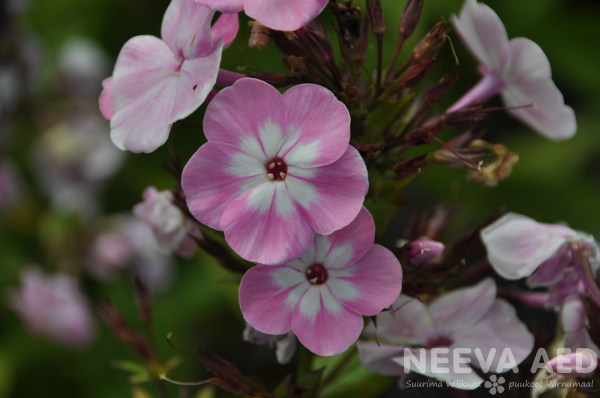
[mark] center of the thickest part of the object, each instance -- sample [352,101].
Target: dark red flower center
[317,274]
[276,169]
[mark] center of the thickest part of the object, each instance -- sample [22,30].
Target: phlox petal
[196,79]
[500,328]
[323,325]
[186,29]
[574,324]
[143,94]
[370,285]
[346,246]
[483,32]
[462,308]
[331,196]
[518,245]
[268,295]
[408,323]
[225,6]
[469,380]
[318,127]
[215,177]
[263,226]
[105,100]
[552,270]
[250,115]
[378,359]
[226,27]
[284,15]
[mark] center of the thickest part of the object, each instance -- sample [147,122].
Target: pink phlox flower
[157,82]
[172,229]
[284,344]
[467,318]
[129,245]
[53,307]
[552,256]
[286,15]
[322,295]
[575,324]
[276,169]
[517,69]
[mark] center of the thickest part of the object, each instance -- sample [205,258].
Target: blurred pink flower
[286,15]
[53,307]
[129,245]
[422,251]
[276,169]
[554,255]
[575,325]
[517,69]
[157,82]
[322,295]
[465,318]
[171,228]
[574,364]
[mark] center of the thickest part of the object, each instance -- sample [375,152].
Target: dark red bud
[439,91]
[422,136]
[367,149]
[432,43]
[414,75]
[362,44]
[124,332]
[410,166]
[143,302]
[319,47]
[410,17]
[375,13]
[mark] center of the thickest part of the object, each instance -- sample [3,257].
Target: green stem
[340,365]
[304,362]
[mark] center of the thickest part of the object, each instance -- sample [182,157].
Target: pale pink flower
[286,15]
[130,245]
[470,318]
[53,307]
[322,295]
[276,169]
[554,255]
[517,69]
[171,228]
[575,364]
[575,325]
[157,82]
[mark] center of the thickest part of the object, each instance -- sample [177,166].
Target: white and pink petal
[225,6]
[268,296]
[370,285]
[226,27]
[378,358]
[264,226]
[105,101]
[285,15]
[331,196]
[318,127]
[186,29]
[323,324]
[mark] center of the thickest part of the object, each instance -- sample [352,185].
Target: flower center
[439,341]
[276,169]
[317,274]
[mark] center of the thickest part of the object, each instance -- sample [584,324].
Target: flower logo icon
[494,384]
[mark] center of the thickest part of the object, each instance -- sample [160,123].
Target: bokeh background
[53,56]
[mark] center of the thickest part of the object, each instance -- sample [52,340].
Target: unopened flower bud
[375,13]
[576,364]
[410,17]
[362,44]
[124,332]
[432,43]
[435,95]
[259,35]
[422,136]
[422,251]
[463,117]
[414,75]
[143,301]
[410,166]
[288,43]
[367,149]
[318,45]
[497,170]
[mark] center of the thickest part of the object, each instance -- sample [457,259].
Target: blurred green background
[553,181]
